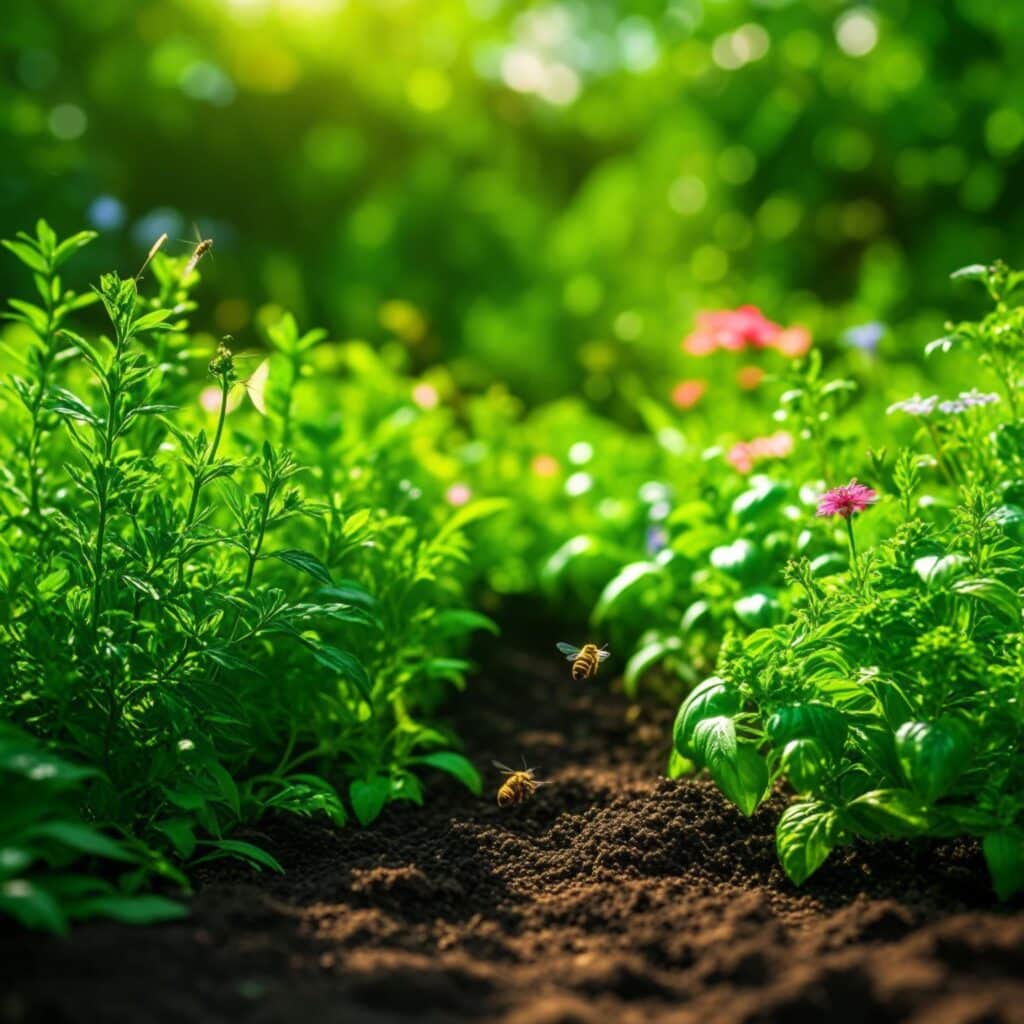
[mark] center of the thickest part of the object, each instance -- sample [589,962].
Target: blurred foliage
[543,194]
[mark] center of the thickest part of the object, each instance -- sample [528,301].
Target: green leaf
[345,664]
[736,559]
[369,796]
[804,838]
[646,658]
[355,521]
[33,906]
[933,755]
[304,562]
[28,255]
[580,556]
[1004,855]
[678,765]
[71,245]
[348,592]
[939,571]
[714,740]
[253,855]
[697,614]
[181,833]
[810,720]
[81,838]
[709,699]
[740,772]
[632,580]
[471,513]
[454,764]
[759,501]
[758,610]
[152,321]
[130,909]
[458,622]
[994,593]
[828,564]
[888,813]
[803,762]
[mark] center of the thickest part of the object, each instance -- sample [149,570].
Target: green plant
[890,700]
[206,628]
[42,835]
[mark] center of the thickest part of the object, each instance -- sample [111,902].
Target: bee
[203,246]
[518,785]
[200,247]
[585,659]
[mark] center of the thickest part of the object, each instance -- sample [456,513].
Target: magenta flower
[844,501]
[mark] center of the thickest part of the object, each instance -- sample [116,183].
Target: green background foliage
[540,193]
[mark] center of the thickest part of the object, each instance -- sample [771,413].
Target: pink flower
[687,393]
[793,342]
[740,458]
[744,455]
[731,329]
[844,501]
[209,398]
[458,495]
[699,343]
[425,396]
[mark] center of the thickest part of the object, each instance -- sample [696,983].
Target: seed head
[222,365]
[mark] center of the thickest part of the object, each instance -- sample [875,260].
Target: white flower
[915,406]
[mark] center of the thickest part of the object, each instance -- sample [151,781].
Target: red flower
[844,501]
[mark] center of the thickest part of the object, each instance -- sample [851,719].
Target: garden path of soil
[614,895]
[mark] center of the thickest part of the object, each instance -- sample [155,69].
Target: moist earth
[613,895]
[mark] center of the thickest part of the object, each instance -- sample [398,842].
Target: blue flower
[865,336]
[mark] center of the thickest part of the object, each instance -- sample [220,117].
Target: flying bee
[585,659]
[201,247]
[518,785]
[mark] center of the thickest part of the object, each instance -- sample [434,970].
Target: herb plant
[195,627]
[890,699]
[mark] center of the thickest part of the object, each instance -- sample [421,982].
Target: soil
[613,895]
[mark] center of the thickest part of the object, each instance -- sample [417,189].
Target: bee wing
[571,653]
[603,655]
[504,768]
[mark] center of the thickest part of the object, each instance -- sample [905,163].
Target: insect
[585,659]
[153,250]
[518,785]
[203,246]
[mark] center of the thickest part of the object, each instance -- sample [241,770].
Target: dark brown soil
[614,895]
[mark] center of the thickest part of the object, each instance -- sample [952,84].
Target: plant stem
[254,554]
[853,547]
[45,360]
[103,483]
[199,479]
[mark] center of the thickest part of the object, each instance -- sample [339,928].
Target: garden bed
[613,895]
